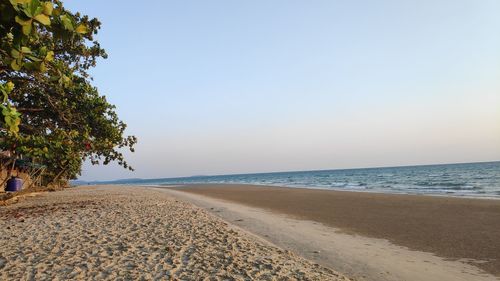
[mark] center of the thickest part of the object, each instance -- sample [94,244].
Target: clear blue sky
[216,87]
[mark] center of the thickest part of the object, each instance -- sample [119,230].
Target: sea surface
[471,180]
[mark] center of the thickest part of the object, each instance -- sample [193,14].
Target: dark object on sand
[14,184]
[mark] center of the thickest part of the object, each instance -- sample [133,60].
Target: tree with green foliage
[51,113]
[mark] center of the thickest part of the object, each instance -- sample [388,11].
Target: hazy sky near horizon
[219,87]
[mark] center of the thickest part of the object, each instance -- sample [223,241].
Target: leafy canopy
[50,112]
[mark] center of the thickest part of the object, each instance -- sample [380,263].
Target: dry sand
[134,233]
[452,228]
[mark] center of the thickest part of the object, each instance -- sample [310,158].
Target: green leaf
[15,65]
[49,56]
[67,22]
[33,58]
[22,21]
[82,29]
[42,51]
[25,50]
[27,29]
[15,53]
[43,19]
[25,23]
[17,4]
[5,97]
[48,7]
[32,8]
[30,66]
[11,118]
[9,86]
[42,67]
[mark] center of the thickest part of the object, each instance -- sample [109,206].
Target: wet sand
[135,233]
[453,228]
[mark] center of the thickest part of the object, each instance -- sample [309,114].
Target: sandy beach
[454,229]
[135,233]
[242,232]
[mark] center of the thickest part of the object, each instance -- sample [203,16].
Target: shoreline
[450,227]
[445,195]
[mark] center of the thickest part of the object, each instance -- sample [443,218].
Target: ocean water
[472,180]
